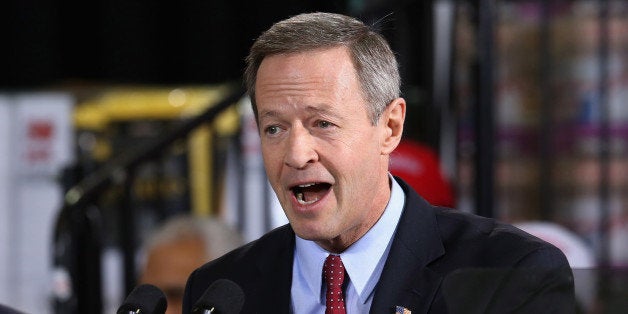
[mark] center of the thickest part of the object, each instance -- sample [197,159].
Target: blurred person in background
[180,245]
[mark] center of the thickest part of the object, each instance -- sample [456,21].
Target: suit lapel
[406,279]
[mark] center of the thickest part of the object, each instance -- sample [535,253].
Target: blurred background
[117,115]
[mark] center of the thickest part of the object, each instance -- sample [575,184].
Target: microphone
[144,299]
[223,296]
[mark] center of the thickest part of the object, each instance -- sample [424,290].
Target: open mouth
[310,193]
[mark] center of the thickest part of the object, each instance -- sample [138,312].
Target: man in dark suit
[325,92]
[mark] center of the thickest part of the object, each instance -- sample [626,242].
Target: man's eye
[272,130]
[324,124]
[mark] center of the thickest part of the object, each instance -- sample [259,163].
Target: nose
[300,151]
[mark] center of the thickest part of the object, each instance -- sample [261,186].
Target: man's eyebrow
[268,114]
[320,109]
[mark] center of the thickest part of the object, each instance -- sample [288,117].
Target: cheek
[272,159]
[273,174]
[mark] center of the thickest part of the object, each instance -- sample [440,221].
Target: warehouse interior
[116,115]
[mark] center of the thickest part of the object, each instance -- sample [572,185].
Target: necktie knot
[334,275]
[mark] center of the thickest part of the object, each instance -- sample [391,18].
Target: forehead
[329,71]
[326,62]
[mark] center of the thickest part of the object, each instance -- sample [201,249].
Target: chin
[306,234]
[310,233]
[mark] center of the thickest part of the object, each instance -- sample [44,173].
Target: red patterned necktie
[334,275]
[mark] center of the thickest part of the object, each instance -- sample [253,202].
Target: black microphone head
[146,298]
[223,296]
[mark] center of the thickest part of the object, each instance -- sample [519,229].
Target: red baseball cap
[418,165]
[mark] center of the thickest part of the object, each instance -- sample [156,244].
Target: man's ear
[392,122]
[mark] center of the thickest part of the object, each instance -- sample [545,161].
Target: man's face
[325,160]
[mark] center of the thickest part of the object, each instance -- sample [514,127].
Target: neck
[343,241]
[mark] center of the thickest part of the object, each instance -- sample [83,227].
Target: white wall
[35,144]
[5,199]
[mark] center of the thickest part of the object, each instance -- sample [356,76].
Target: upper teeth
[306,185]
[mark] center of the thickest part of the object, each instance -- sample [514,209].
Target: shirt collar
[364,259]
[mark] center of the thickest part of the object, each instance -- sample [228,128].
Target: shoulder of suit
[487,237]
[453,221]
[270,244]
[243,263]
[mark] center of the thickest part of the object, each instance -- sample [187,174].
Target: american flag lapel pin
[402,310]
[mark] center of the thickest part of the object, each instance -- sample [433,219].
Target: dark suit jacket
[441,261]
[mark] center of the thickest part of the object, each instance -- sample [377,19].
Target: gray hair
[374,61]
[217,237]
